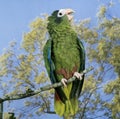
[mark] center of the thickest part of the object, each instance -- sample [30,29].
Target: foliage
[23,68]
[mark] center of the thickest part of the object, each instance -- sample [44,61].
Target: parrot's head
[59,17]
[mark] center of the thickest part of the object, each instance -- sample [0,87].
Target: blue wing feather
[48,61]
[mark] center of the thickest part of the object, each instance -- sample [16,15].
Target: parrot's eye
[61,13]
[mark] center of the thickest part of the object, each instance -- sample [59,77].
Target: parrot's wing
[48,61]
[82,56]
[77,84]
[49,64]
[82,66]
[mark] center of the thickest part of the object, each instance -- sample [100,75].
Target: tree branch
[50,112]
[45,88]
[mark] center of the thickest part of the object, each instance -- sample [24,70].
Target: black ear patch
[55,13]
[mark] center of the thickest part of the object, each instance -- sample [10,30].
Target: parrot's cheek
[70,17]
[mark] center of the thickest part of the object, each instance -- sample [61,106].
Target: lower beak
[69,13]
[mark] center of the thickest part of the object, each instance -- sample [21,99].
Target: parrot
[64,57]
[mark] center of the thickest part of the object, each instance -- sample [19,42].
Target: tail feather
[74,102]
[69,108]
[59,108]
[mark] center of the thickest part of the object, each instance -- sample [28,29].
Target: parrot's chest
[65,54]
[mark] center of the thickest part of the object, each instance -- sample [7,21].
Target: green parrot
[64,57]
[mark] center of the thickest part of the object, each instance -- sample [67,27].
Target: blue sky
[16,15]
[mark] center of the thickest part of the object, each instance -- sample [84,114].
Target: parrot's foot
[64,81]
[78,75]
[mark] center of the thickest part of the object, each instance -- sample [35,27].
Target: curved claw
[64,81]
[78,75]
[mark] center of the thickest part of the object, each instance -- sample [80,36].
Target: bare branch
[45,88]
[50,112]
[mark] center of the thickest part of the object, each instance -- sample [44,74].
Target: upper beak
[69,13]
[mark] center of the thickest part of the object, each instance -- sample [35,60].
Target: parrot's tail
[69,108]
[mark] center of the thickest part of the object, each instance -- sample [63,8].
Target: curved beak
[69,13]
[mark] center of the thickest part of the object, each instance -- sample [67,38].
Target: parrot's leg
[78,75]
[64,81]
